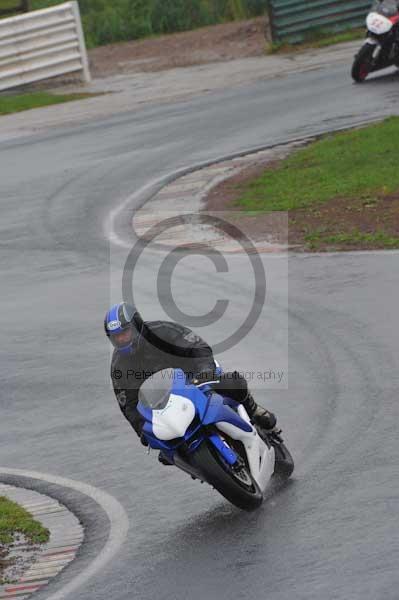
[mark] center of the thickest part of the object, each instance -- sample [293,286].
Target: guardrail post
[271,20]
[82,43]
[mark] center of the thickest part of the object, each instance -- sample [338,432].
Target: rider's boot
[260,416]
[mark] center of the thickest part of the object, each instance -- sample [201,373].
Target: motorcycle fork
[377,51]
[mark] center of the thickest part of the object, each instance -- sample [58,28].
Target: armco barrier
[42,44]
[293,20]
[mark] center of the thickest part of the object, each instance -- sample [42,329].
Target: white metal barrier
[42,44]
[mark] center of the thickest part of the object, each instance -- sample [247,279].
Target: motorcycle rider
[143,348]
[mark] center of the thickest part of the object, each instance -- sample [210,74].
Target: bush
[120,20]
[123,20]
[256,7]
[179,15]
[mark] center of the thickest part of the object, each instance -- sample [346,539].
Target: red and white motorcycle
[381,48]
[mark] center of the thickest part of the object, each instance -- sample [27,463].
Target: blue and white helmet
[121,326]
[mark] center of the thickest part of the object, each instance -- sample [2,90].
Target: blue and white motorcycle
[211,438]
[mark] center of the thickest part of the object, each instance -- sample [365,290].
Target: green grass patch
[316,40]
[16,103]
[15,519]
[360,163]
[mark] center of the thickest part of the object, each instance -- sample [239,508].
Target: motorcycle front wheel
[362,65]
[236,484]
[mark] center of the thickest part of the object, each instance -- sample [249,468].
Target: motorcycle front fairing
[380,22]
[174,416]
[185,417]
[232,419]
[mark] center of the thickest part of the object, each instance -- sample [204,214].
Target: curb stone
[66,537]
[168,201]
[186,196]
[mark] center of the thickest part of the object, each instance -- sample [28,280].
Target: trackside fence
[42,44]
[294,21]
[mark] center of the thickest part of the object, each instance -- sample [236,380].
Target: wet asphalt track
[331,533]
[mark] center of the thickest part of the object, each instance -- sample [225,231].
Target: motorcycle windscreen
[388,8]
[171,413]
[154,392]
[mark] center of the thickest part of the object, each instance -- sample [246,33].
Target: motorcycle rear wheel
[239,488]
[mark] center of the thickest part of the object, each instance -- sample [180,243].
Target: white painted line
[58,541]
[51,512]
[20,594]
[119,525]
[52,560]
[40,505]
[109,224]
[33,581]
[40,565]
[45,507]
[48,568]
[51,550]
[28,581]
[43,572]
[36,567]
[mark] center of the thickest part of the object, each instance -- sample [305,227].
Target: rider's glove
[209,376]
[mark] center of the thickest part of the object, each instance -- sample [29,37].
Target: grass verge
[15,519]
[18,102]
[357,162]
[316,40]
[379,239]
[341,191]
